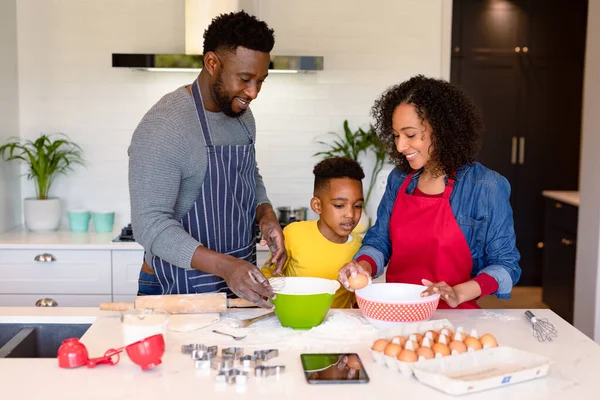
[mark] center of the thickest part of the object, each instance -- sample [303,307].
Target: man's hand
[246,281]
[353,268]
[272,236]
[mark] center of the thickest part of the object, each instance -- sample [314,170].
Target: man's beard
[221,98]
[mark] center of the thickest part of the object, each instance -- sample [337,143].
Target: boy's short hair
[336,167]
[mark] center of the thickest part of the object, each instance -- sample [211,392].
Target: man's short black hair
[228,31]
[336,167]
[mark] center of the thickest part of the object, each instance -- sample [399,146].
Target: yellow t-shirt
[310,254]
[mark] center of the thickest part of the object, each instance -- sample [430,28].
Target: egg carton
[406,368]
[481,370]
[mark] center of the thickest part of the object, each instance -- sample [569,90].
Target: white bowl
[386,305]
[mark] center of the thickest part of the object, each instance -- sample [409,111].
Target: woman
[444,221]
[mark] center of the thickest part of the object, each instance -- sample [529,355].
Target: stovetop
[126,235]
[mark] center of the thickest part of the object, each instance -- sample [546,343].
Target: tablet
[337,368]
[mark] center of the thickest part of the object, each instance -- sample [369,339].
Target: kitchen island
[575,358]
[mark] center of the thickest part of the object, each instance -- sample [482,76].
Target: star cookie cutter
[232,376]
[266,355]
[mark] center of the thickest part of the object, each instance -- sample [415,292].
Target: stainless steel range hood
[198,15]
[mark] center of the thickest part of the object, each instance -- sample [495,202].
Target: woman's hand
[352,269]
[446,292]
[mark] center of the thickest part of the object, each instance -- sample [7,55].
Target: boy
[320,248]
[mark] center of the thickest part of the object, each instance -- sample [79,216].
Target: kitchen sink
[19,340]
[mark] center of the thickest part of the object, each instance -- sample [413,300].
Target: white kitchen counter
[23,239]
[566,196]
[573,373]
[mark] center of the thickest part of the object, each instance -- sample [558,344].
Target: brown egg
[353,362]
[446,331]
[433,335]
[457,346]
[358,282]
[392,350]
[425,352]
[399,340]
[440,348]
[472,343]
[488,340]
[417,337]
[379,345]
[407,356]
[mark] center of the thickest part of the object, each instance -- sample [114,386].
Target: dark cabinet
[522,63]
[560,241]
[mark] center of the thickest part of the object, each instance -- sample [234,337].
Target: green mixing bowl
[302,302]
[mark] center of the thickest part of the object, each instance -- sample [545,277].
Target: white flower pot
[42,215]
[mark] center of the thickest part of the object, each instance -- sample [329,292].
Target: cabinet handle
[513,151]
[525,49]
[558,205]
[566,242]
[517,49]
[521,150]
[45,257]
[46,302]
[540,245]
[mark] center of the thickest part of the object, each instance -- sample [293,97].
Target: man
[196,193]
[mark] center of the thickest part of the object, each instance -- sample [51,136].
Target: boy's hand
[353,268]
[453,295]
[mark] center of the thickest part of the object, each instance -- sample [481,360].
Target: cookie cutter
[205,361]
[232,376]
[249,362]
[235,352]
[266,355]
[203,351]
[223,363]
[269,370]
[188,348]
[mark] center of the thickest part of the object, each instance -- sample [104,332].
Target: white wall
[10,189]
[67,83]
[587,282]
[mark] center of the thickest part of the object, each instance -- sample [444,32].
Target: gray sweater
[167,166]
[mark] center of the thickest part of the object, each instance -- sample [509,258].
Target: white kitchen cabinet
[77,272]
[63,300]
[126,266]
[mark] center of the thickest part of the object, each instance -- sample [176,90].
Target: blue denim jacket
[480,204]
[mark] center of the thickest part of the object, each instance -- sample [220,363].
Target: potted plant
[353,144]
[46,157]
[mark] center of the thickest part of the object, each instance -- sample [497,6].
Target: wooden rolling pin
[181,303]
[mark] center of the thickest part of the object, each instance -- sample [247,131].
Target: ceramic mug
[103,221]
[79,220]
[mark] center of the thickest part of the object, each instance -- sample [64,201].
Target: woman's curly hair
[455,121]
[228,31]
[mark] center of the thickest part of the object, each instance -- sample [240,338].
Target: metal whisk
[542,329]
[277,282]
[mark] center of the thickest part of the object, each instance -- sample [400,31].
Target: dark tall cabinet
[522,62]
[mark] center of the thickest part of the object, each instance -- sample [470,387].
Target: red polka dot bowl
[386,305]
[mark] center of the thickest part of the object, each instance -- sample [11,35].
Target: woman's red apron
[427,242]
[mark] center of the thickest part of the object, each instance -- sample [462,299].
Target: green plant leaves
[47,157]
[354,143]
